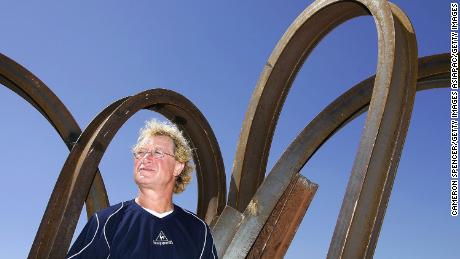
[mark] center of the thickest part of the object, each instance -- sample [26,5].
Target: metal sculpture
[433,73]
[262,214]
[34,91]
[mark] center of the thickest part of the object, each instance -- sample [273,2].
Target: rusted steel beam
[51,221]
[369,188]
[61,216]
[434,72]
[384,132]
[279,230]
[34,91]
[279,72]
[380,145]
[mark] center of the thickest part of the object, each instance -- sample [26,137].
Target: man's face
[156,173]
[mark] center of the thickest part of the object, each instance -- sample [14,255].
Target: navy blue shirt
[126,230]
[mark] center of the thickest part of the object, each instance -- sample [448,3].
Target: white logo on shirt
[162,240]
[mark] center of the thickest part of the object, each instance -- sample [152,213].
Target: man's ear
[178,168]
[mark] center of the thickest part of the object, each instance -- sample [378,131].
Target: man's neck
[154,201]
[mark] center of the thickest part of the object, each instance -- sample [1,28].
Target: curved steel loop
[434,72]
[61,216]
[34,91]
[274,83]
[358,226]
[46,233]
[386,123]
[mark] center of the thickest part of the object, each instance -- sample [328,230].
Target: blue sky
[91,54]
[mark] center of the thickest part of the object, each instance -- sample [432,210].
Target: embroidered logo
[162,240]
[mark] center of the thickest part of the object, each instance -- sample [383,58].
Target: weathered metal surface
[278,74]
[61,215]
[269,220]
[381,142]
[279,230]
[433,73]
[34,91]
[376,162]
[225,228]
[58,205]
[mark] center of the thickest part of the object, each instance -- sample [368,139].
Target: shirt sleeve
[210,251]
[90,242]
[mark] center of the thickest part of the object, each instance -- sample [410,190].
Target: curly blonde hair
[182,150]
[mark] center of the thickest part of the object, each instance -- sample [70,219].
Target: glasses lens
[158,153]
[139,154]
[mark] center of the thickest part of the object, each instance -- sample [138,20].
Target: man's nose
[148,158]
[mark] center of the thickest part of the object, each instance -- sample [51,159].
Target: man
[151,225]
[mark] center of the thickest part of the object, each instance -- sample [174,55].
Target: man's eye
[158,152]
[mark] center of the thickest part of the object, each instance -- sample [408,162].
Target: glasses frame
[156,153]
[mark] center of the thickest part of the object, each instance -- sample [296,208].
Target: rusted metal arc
[34,91]
[66,202]
[275,81]
[376,162]
[389,114]
[433,73]
[343,110]
[50,223]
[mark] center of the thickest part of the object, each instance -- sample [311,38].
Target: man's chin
[142,179]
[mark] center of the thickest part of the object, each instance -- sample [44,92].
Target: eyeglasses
[156,153]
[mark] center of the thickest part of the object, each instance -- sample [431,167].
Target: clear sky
[92,53]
